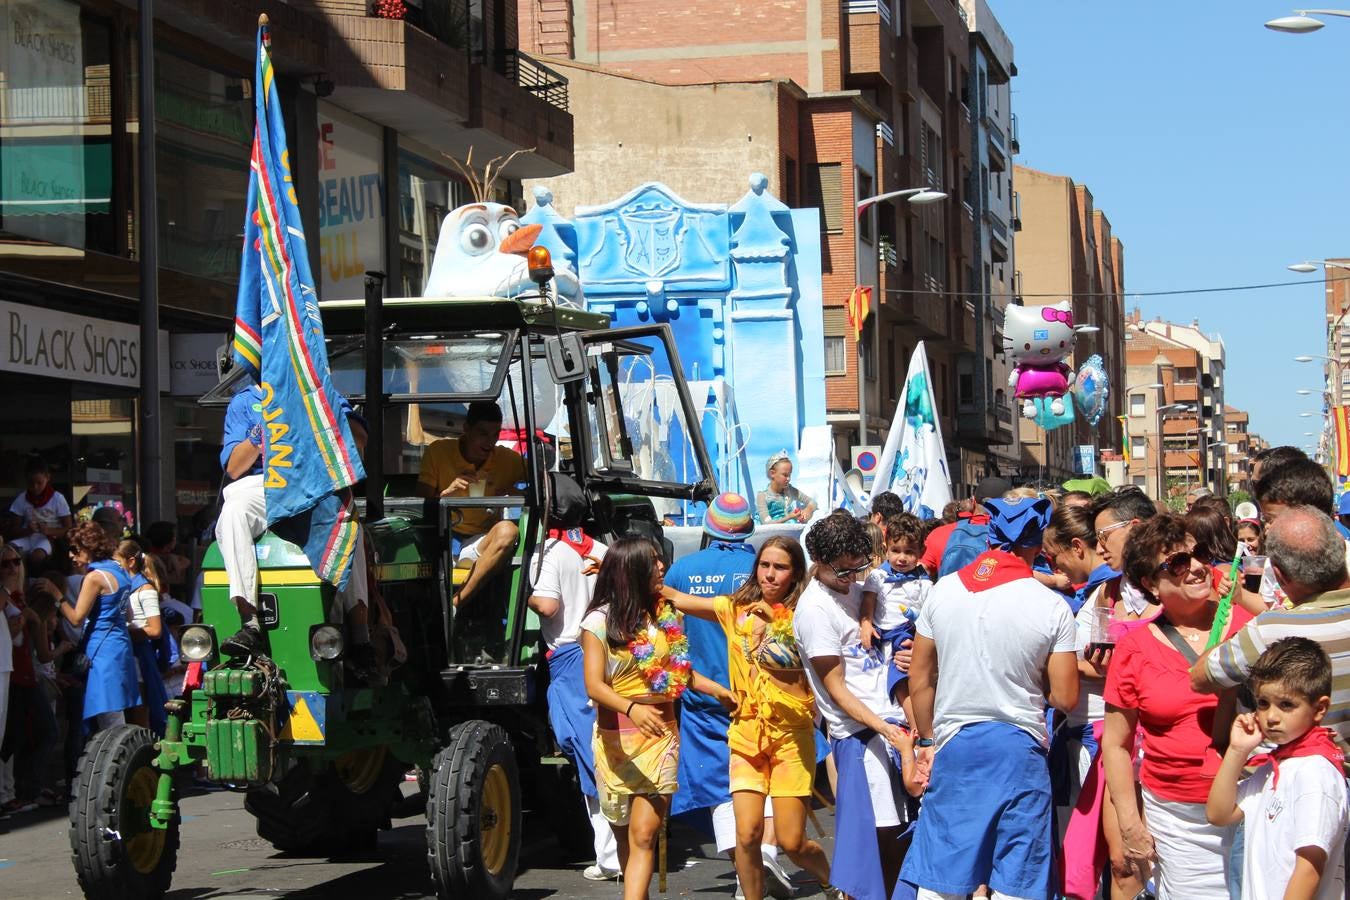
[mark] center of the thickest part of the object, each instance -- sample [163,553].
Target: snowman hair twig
[481,186]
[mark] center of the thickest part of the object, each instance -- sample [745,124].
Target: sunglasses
[849,573]
[1178,565]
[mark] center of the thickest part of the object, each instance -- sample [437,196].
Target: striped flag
[1341,417]
[309,460]
[1124,436]
[858,309]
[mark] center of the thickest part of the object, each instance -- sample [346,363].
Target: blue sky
[1220,152]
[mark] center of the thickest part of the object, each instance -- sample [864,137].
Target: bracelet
[924,742]
[631,704]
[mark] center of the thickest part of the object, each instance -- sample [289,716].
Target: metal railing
[533,77]
[1012,132]
[886,133]
[995,133]
[879,8]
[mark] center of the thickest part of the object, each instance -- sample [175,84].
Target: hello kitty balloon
[1039,339]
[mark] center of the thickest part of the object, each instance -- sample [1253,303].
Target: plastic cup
[1253,565]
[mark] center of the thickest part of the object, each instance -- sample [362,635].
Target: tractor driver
[243,517]
[473,465]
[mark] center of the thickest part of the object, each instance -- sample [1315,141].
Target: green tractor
[319,757]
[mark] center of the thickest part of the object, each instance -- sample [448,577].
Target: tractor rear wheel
[117,853]
[330,810]
[473,814]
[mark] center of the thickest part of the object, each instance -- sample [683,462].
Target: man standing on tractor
[473,465]
[243,518]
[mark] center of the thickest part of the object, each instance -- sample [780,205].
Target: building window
[1140,480]
[836,349]
[1139,450]
[351,202]
[824,191]
[1138,402]
[865,220]
[426,193]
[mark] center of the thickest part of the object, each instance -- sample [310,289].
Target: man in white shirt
[44,514]
[989,639]
[564,570]
[849,684]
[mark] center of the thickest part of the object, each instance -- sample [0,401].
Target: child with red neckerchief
[1294,804]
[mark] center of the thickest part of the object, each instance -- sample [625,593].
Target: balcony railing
[1013,143]
[534,77]
[879,8]
[886,133]
[995,133]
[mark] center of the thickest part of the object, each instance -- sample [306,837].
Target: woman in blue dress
[102,604]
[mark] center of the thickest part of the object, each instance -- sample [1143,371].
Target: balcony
[394,73]
[989,426]
[998,149]
[1013,144]
[871,43]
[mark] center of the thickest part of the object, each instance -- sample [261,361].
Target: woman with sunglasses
[111,688]
[1148,686]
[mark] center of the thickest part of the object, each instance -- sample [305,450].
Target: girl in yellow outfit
[772,735]
[636,665]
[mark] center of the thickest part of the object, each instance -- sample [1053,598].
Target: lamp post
[1302,22]
[919,196]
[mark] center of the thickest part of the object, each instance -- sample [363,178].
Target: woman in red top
[1148,686]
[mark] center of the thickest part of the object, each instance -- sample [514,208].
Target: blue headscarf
[1017,523]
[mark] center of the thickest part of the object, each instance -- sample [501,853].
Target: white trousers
[243,519]
[606,845]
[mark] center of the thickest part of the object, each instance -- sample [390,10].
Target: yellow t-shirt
[621,669]
[748,640]
[443,463]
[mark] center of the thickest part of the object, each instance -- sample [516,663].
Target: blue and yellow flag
[309,460]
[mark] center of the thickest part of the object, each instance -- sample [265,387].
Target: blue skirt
[112,675]
[986,816]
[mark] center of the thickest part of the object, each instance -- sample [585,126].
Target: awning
[67,176]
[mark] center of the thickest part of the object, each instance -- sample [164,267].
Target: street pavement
[222,857]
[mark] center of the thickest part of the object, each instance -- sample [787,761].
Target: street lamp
[919,196]
[1302,23]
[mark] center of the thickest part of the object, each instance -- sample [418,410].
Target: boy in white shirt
[904,585]
[44,514]
[1294,804]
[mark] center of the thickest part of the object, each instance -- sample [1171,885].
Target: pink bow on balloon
[1050,314]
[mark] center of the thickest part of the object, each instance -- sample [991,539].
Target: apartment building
[373,107]
[1238,449]
[1174,413]
[1066,250]
[1337,363]
[869,97]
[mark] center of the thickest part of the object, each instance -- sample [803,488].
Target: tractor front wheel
[116,851]
[473,814]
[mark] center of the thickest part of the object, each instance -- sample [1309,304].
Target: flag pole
[151,424]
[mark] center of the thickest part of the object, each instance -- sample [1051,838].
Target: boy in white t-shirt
[903,586]
[848,678]
[1294,804]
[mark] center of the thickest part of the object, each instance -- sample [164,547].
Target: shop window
[426,192]
[103,448]
[56,160]
[203,138]
[351,202]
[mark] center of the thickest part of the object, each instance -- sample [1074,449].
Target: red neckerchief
[37,501]
[993,568]
[975,518]
[575,538]
[1317,742]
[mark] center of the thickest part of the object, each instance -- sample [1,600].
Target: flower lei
[670,674]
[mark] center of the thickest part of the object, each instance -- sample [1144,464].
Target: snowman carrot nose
[521,240]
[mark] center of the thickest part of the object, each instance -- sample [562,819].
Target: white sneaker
[776,881]
[594,872]
[740,892]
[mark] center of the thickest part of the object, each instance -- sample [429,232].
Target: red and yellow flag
[858,309]
[1341,417]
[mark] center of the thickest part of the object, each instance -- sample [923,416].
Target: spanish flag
[859,308]
[1341,417]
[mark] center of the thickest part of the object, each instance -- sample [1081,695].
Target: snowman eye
[1061,344]
[1026,346]
[476,239]
[507,228]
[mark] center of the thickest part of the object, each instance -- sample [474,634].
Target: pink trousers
[1084,854]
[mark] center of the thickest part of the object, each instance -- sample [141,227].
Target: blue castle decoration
[740,287]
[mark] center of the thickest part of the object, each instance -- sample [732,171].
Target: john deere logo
[985,570]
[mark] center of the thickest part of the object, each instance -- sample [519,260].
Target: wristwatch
[924,742]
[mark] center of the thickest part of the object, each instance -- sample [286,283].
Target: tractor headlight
[197,643]
[325,643]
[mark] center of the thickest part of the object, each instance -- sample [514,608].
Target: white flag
[914,461]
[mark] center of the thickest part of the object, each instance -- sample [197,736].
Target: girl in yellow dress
[636,665]
[772,737]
